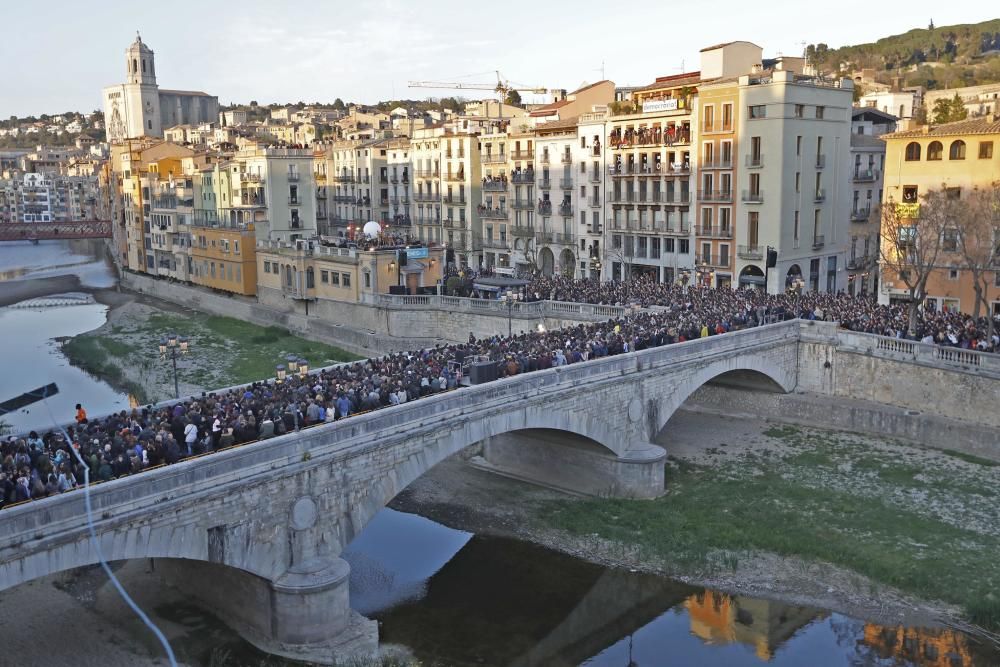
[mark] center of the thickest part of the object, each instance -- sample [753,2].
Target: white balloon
[372,229]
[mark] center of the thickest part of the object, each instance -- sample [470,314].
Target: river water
[454,598]
[30,355]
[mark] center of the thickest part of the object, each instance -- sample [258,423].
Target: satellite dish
[372,229]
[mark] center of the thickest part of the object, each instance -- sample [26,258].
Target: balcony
[820,161]
[522,155]
[717,231]
[428,220]
[717,163]
[493,158]
[294,201]
[819,241]
[495,185]
[523,232]
[400,201]
[556,237]
[865,175]
[594,202]
[753,196]
[405,178]
[595,176]
[754,161]
[715,195]
[454,200]
[522,204]
[819,196]
[544,208]
[523,177]
[492,213]
[363,201]
[427,196]
[678,169]
[498,244]
[545,184]
[859,263]
[427,173]
[718,261]
[458,177]
[567,158]
[861,214]
[383,201]
[293,176]
[342,178]
[750,252]
[566,183]
[566,209]
[622,196]
[544,159]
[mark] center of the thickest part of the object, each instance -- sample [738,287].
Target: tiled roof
[983,125]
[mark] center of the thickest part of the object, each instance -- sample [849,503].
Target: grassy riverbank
[224,351]
[918,520]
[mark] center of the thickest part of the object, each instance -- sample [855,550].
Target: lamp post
[174,346]
[510,298]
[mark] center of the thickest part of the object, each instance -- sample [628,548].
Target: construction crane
[502,87]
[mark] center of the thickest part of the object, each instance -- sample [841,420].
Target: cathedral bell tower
[139,63]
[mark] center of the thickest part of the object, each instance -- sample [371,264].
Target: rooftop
[984,125]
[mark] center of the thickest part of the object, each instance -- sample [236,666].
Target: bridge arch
[591,434]
[749,371]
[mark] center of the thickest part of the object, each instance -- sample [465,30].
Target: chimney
[991,118]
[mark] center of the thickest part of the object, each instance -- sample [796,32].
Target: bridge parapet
[529,309]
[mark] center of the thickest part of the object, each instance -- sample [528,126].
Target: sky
[58,54]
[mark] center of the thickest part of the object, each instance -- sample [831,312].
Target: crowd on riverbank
[129,442]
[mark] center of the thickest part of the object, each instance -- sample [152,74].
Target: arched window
[143,65]
[135,65]
[957,150]
[912,151]
[310,278]
[935,150]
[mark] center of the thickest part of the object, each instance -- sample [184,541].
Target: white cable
[97,546]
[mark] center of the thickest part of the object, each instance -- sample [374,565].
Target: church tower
[139,63]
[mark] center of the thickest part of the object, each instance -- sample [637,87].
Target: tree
[911,242]
[930,26]
[977,223]
[949,111]
[513,98]
[338,105]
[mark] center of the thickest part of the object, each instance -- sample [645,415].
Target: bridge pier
[567,462]
[304,614]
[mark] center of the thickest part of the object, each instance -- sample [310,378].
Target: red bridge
[42,231]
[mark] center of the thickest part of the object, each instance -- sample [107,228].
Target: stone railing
[583,311]
[953,358]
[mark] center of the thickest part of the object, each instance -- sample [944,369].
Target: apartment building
[867,167]
[649,198]
[319,169]
[274,188]
[461,176]
[558,152]
[957,157]
[358,185]
[425,162]
[48,197]
[794,141]
[521,202]
[495,205]
[400,183]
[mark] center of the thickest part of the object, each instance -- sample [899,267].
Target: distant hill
[933,57]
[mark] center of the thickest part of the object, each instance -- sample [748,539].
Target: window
[953,193]
[949,240]
[953,274]
[324,277]
[798,145]
[267,267]
[985,150]
[727,116]
[820,111]
[654,249]
[310,278]
[957,150]
[335,278]
[935,150]
[800,110]
[795,229]
[757,111]
[684,246]
[668,246]
[708,113]
[910,194]
[753,229]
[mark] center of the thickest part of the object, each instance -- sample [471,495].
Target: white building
[900,104]
[139,107]
[796,189]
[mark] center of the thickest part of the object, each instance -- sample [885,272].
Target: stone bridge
[40,231]
[256,532]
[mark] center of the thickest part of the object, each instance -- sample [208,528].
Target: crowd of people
[38,465]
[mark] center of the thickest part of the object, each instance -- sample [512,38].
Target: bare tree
[911,242]
[978,223]
[623,251]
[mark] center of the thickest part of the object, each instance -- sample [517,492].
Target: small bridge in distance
[47,231]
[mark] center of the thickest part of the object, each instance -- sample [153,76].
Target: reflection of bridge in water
[47,231]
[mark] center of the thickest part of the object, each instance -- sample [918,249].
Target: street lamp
[293,363]
[279,373]
[510,298]
[174,346]
[303,368]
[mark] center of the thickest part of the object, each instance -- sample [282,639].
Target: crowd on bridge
[39,465]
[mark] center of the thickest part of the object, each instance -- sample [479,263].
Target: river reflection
[494,601]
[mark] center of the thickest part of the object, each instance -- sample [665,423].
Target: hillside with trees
[933,57]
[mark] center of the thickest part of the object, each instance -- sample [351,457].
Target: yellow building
[223,256]
[308,272]
[957,157]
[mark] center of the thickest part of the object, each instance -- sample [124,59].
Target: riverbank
[223,351]
[884,531]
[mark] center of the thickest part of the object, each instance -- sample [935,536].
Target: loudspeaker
[484,371]
[402,258]
[772,258]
